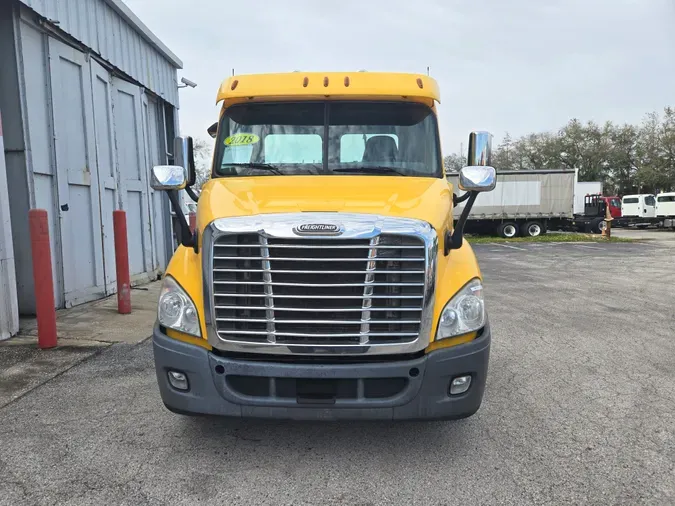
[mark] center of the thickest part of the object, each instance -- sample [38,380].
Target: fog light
[460,384]
[178,380]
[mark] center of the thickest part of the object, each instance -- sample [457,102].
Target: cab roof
[329,85]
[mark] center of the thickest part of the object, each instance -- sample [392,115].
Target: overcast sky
[502,65]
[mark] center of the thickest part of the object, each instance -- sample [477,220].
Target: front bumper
[404,389]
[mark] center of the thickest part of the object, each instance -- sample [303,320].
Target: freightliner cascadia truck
[325,277]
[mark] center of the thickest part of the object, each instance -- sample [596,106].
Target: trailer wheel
[597,226]
[507,230]
[533,229]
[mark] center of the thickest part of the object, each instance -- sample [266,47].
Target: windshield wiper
[256,165]
[380,169]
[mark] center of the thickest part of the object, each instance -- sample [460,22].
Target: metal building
[89,98]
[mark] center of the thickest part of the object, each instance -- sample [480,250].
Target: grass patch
[550,237]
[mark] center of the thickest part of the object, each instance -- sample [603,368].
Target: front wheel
[533,229]
[507,230]
[598,225]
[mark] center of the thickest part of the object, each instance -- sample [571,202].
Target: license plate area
[323,391]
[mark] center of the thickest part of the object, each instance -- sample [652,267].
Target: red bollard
[42,278]
[122,262]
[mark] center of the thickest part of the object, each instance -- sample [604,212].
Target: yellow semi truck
[325,277]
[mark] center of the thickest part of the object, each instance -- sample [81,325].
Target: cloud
[516,66]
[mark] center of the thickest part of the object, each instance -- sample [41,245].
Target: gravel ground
[579,409]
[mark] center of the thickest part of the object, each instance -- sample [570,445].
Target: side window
[352,146]
[650,201]
[293,148]
[631,200]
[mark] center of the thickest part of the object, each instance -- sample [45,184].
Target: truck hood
[427,199]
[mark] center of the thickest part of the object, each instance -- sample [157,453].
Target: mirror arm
[187,239]
[454,240]
[191,193]
[457,200]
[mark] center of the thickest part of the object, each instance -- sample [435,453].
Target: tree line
[625,158]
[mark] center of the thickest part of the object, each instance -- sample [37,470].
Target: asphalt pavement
[579,409]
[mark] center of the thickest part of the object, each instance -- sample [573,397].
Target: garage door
[133,173]
[79,209]
[106,158]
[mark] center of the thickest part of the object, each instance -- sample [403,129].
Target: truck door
[649,206]
[630,206]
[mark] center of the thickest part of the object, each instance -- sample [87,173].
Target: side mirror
[480,149]
[184,157]
[213,130]
[168,177]
[176,177]
[477,176]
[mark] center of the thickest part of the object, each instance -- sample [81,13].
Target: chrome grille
[318,291]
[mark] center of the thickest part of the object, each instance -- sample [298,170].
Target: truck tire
[507,230]
[533,229]
[597,225]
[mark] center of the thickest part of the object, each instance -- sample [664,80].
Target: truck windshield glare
[327,138]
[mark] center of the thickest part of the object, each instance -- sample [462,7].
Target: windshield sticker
[242,140]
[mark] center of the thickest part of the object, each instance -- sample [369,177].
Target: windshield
[328,138]
[615,203]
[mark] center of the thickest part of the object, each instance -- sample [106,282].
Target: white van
[665,205]
[641,206]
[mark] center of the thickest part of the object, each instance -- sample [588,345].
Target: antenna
[233,72]
[428,71]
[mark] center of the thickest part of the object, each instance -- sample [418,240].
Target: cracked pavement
[579,409]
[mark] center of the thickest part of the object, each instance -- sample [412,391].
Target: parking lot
[579,409]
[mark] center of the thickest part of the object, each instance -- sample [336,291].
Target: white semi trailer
[530,202]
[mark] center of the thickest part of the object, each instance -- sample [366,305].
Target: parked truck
[665,209]
[638,210]
[582,189]
[531,202]
[325,277]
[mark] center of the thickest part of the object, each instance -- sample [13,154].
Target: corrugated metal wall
[80,141]
[107,27]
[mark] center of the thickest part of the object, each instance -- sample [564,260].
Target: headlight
[464,313]
[176,310]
